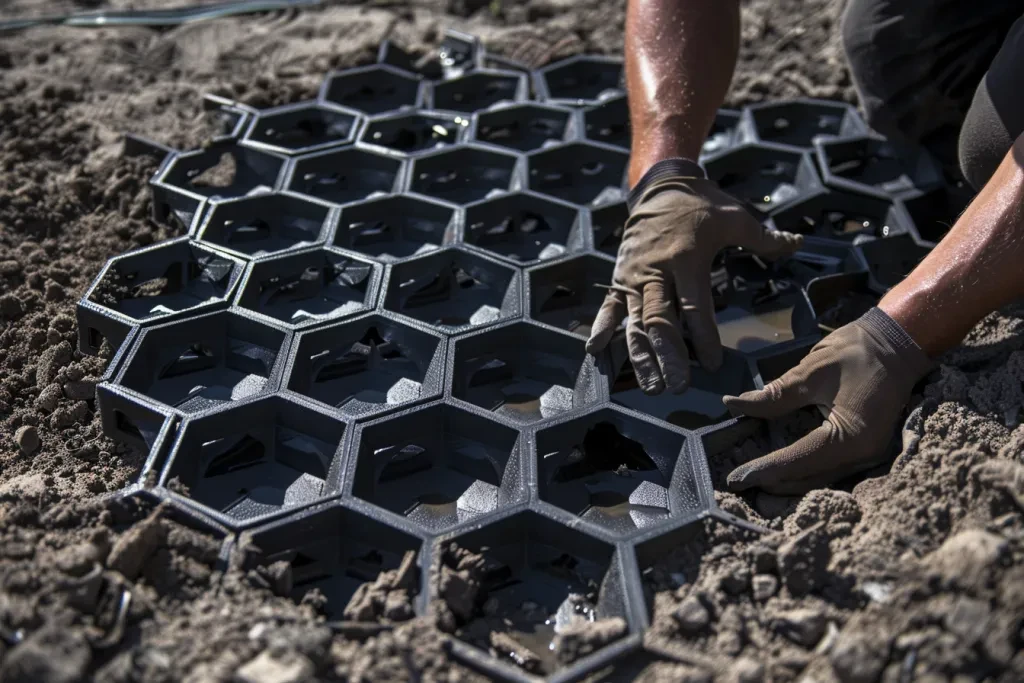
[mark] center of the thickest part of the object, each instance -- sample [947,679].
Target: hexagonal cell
[366,365]
[580,79]
[876,166]
[126,420]
[765,177]
[523,227]
[608,122]
[934,212]
[478,89]
[462,174]
[799,122]
[523,372]
[568,294]
[838,215]
[337,551]
[890,260]
[415,132]
[522,127]
[608,223]
[759,304]
[222,170]
[264,225]
[167,280]
[453,290]
[699,406]
[615,470]
[439,466]
[722,135]
[538,578]
[303,127]
[579,172]
[344,175]
[257,458]
[840,299]
[205,362]
[372,89]
[395,227]
[308,287]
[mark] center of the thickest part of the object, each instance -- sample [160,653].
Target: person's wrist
[673,167]
[910,356]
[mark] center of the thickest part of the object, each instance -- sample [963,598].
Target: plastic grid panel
[320,437]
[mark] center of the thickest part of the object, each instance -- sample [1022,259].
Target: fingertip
[651,386]
[741,478]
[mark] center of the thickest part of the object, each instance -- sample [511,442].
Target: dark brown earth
[913,574]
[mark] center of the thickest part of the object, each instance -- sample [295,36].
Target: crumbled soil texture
[913,574]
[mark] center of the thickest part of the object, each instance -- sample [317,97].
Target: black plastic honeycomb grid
[371,339]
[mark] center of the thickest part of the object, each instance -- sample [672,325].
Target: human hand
[861,375]
[671,237]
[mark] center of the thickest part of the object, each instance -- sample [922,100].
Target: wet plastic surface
[371,343]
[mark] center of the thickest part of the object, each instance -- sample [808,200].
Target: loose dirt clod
[28,439]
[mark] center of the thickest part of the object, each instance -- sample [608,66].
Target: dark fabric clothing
[945,74]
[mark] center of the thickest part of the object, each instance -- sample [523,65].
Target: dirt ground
[913,574]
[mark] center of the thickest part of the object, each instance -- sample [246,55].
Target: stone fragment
[28,439]
[287,666]
[692,616]
[134,547]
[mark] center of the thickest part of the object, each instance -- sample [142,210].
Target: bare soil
[915,573]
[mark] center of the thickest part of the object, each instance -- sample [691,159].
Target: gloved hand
[862,375]
[677,224]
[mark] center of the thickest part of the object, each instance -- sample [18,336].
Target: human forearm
[977,268]
[680,56]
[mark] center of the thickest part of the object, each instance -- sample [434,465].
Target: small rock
[803,560]
[81,390]
[28,439]
[854,660]
[135,546]
[804,626]
[365,604]
[9,267]
[966,558]
[287,666]
[582,638]
[280,576]
[736,580]
[53,654]
[77,559]
[52,360]
[506,646]
[764,586]
[969,619]
[765,559]
[459,590]
[48,398]
[397,607]
[877,591]
[746,670]
[692,616]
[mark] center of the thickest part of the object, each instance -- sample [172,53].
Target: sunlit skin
[974,270]
[680,58]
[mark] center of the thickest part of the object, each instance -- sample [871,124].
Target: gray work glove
[678,222]
[861,376]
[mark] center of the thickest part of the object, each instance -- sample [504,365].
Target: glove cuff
[666,168]
[877,322]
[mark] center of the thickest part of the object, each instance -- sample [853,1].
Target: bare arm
[977,268]
[680,56]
